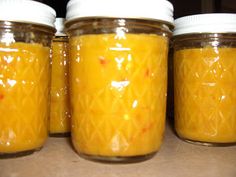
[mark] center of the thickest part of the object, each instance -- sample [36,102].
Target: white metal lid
[205,23]
[59,24]
[27,11]
[139,9]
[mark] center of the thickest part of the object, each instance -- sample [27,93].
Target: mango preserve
[24,75]
[118,81]
[204,79]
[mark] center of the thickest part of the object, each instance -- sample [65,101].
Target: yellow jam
[205,94]
[118,93]
[24,90]
[59,112]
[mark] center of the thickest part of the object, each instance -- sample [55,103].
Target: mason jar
[25,37]
[59,110]
[204,78]
[118,77]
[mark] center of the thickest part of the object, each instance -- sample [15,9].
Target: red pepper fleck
[148,127]
[1,96]
[147,72]
[144,129]
[102,60]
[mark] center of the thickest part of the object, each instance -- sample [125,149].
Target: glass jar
[204,78]
[59,112]
[118,79]
[24,75]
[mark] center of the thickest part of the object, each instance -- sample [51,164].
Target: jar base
[60,135]
[18,154]
[117,159]
[209,144]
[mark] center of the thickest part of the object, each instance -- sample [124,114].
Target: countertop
[176,158]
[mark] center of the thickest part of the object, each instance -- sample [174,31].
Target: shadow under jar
[24,76]
[204,79]
[118,80]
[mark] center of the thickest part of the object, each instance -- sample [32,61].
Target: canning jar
[204,78]
[59,112]
[25,37]
[118,77]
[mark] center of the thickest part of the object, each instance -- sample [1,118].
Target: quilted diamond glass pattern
[205,94]
[24,89]
[118,93]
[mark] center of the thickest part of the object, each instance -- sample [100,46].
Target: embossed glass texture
[204,88]
[24,86]
[59,109]
[118,87]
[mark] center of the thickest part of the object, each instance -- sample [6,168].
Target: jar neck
[25,32]
[114,25]
[60,38]
[204,40]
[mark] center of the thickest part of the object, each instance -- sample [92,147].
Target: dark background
[181,7]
